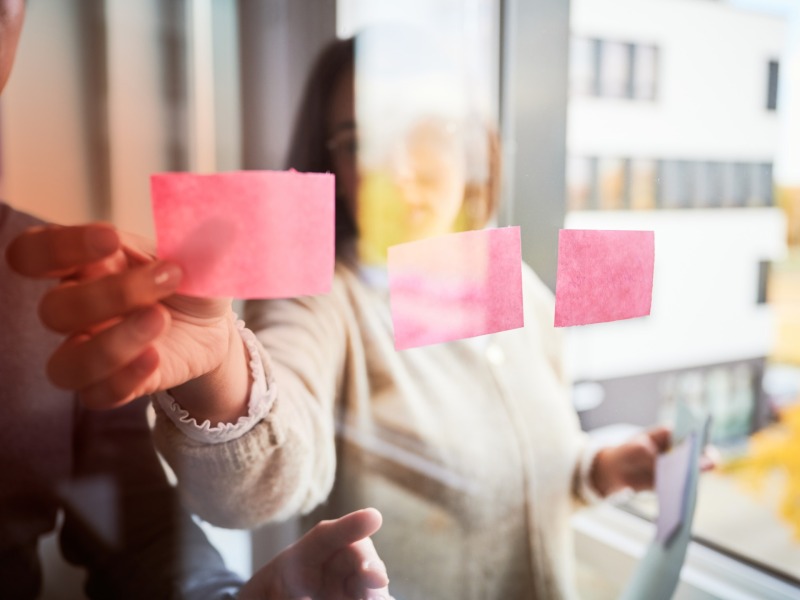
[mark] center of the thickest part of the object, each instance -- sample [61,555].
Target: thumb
[327,537]
[661,438]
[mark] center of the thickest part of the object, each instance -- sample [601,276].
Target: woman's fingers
[355,572]
[661,438]
[327,537]
[55,251]
[359,569]
[137,249]
[355,590]
[372,574]
[124,385]
[335,560]
[345,555]
[74,307]
[83,361]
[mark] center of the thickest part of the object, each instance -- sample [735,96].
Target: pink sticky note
[603,276]
[248,234]
[455,286]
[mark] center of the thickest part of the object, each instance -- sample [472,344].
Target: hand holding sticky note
[657,575]
[603,276]
[248,234]
[455,286]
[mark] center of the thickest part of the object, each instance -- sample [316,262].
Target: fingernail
[148,323]
[167,276]
[102,241]
[373,565]
[376,566]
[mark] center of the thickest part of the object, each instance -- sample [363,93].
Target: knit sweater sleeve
[542,306]
[285,465]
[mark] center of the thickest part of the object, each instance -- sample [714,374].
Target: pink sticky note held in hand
[247,234]
[455,286]
[603,276]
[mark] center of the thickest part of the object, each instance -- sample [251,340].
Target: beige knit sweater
[470,449]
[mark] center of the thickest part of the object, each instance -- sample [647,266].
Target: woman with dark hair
[470,449]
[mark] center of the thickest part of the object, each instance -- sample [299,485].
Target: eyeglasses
[344,144]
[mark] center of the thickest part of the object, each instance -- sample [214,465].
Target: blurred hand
[633,464]
[336,560]
[128,333]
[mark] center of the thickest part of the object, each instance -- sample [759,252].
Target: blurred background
[680,116]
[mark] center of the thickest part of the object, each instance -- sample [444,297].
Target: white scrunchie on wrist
[259,404]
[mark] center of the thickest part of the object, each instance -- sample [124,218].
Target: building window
[673,186]
[612,69]
[615,70]
[644,72]
[611,174]
[762,177]
[763,281]
[642,184]
[638,183]
[772,85]
[581,173]
[739,175]
[715,177]
[699,183]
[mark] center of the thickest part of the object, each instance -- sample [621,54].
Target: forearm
[585,489]
[277,461]
[280,459]
[220,396]
[270,473]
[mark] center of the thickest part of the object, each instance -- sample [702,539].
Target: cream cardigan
[472,452]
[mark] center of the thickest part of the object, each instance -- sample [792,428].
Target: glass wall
[681,118]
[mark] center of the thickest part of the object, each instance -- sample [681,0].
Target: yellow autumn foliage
[775,449]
